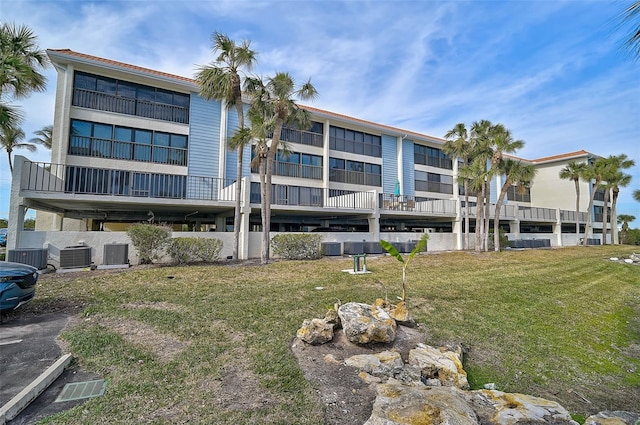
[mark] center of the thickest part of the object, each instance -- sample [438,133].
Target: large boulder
[398,404]
[439,364]
[499,408]
[364,323]
[614,418]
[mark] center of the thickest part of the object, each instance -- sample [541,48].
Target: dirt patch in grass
[346,398]
[164,347]
[238,387]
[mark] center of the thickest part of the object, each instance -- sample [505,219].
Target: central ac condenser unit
[75,257]
[115,254]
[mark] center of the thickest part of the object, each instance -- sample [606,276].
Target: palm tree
[624,219]
[632,14]
[516,173]
[481,135]
[44,136]
[457,146]
[21,60]
[476,174]
[574,171]
[500,142]
[10,139]
[221,80]
[595,171]
[617,180]
[636,195]
[273,101]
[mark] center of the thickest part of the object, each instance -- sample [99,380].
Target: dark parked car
[3,237]
[17,284]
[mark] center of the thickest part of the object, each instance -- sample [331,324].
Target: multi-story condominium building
[132,144]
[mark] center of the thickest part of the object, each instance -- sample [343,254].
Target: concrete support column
[17,209]
[514,226]
[557,228]
[457,225]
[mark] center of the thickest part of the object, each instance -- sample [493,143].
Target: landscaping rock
[400,404]
[316,331]
[499,408]
[613,418]
[400,313]
[364,323]
[384,364]
[441,364]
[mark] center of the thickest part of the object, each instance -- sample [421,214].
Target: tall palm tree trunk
[264,198]
[496,219]
[605,207]
[479,219]
[487,215]
[587,227]
[577,183]
[467,211]
[614,215]
[10,164]
[237,216]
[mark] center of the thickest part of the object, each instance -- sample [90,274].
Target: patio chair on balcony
[386,204]
[410,204]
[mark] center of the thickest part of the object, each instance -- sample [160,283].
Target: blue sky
[555,73]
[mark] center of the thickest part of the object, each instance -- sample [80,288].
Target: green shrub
[149,239]
[504,241]
[297,246]
[191,250]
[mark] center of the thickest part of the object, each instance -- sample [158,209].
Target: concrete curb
[14,406]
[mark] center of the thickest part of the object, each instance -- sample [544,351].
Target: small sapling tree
[393,251]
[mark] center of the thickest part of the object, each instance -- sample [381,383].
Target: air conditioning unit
[115,254]
[36,257]
[73,257]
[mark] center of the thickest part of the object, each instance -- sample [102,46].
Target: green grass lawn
[210,344]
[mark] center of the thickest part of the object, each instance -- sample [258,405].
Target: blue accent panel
[495,190]
[408,168]
[389,163]
[204,137]
[232,163]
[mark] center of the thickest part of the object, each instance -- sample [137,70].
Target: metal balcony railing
[124,105]
[572,216]
[391,202]
[533,213]
[59,178]
[289,169]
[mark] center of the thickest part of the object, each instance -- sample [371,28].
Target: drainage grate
[80,390]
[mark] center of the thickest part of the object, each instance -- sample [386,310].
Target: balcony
[507,212]
[115,149]
[299,196]
[302,137]
[572,216]
[432,207]
[124,105]
[354,177]
[75,180]
[289,169]
[536,214]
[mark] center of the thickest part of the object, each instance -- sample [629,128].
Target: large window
[431,182]
[345,140]
[312,136]
[295,164]
[355,172]
[108,141]
[433,157]
[519,194]
[112,95]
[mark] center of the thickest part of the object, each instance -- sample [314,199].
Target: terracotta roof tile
[69,52]
[561,156]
